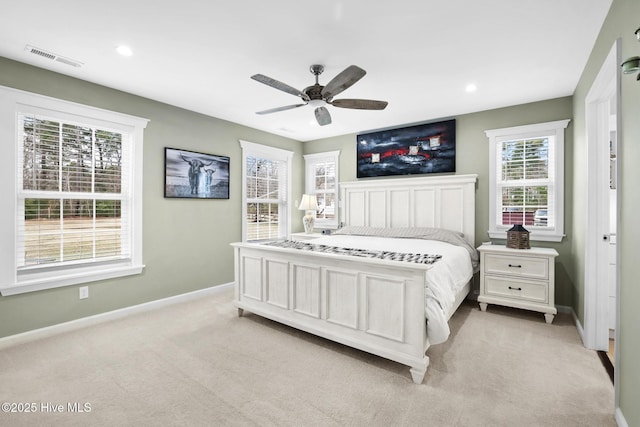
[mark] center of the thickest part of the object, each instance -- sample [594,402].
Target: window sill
[32,284]
[533,236]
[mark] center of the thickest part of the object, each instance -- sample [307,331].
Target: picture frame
[194,175]
[418,149]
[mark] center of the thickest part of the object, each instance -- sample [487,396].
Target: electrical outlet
[84,292]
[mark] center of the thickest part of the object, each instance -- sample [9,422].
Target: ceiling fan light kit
[319,96]
[315,103]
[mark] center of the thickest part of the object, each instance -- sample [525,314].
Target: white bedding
[444,279]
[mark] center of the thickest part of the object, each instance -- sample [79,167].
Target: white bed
[371,303]
[445,281]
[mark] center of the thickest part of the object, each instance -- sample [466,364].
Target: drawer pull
[515,289]
[515,265]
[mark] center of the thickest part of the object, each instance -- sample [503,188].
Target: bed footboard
[373,305]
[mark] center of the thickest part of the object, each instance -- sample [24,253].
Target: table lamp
[308,204]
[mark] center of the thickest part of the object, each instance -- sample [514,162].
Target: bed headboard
[446,201]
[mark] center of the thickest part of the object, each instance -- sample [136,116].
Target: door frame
[605,87]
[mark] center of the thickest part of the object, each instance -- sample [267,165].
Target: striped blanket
[366,253]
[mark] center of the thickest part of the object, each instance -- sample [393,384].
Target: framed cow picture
[193,175]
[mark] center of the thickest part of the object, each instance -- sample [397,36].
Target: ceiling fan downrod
[316,70]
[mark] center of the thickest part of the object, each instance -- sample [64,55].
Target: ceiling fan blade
[322,116]
[279,85]
[342,81]
[275,110]
[360,104]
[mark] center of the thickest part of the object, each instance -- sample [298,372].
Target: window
[321,179]
[527,180]
[76,210]
[266,188]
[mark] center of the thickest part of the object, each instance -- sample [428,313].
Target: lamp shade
[308,203]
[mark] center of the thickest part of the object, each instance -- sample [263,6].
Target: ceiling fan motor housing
[314,92]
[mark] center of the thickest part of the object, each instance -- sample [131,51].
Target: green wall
[472,156]
[622,21]
[185,242]
[185,246]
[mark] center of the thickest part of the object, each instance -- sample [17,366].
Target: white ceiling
[419,54]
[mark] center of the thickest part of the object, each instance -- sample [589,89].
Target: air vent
[54,57]
[68,61]
[40,52]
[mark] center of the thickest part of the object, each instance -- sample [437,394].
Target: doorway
[601,277]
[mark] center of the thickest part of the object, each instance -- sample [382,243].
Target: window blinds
[264,197]
[325,189]
[526,182]
[73,201]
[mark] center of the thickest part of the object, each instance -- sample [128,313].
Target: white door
[600,260]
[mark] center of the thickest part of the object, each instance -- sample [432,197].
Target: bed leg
[240,312]
[418,372]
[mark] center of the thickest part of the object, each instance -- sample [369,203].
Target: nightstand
[520,278]
[305,236]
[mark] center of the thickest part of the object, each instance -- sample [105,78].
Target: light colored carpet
[197,363]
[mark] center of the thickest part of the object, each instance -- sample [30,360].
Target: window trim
[310,161]
[252,149]
[555,129]
[13,102]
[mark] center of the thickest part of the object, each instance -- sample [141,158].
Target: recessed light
[471,88]
[124,50]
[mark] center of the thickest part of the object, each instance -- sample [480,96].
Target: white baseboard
[620,420]
[569,310]
[619,417]
[73,325]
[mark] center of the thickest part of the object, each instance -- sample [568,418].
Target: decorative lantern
[518,237]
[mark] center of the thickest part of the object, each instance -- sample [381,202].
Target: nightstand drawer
[521,266]
[513,288]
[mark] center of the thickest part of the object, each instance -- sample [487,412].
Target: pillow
[407,232]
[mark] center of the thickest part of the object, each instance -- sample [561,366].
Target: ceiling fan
[318,96]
